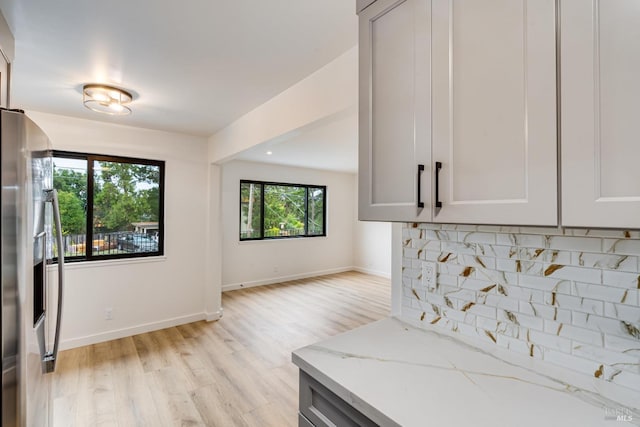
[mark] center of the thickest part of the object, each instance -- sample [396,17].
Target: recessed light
[269,153]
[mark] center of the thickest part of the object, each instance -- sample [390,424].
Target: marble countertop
[399,375]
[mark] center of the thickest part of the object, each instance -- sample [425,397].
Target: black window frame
[262,217]
[91,158]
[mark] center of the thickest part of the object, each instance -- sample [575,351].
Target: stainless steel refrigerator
[31,295]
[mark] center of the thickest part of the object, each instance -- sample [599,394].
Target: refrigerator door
[27,167]
[9,157]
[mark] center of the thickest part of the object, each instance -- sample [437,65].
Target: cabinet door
[600,57]
[394,111]
[494,111]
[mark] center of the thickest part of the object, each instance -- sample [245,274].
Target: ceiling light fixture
[269,153]
[106,99]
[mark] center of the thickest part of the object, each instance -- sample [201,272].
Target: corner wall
[150,293]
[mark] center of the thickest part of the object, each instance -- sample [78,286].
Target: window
[275,210]
[110,207]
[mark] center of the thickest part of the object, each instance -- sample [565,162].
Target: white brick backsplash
[603,293]
[412,273]
[477,237]
[617,234]
[448,280]
[626,345]
[417,243]
[459,248]
[439,235]
[545,311]
[545,284]
[463,295]
[569,361]
[410,253]
[569,296]
[451,269]
[459,316]
[482,310]
[430,255]
[432,245]
[605,261]
[627,379]
[575,304]
[514,344]
[474,261]
[487,324]
[607,357]
[620,279]
[544,255]
[583,335]
[598,323]
[624,312]
[502,302]
[522,294]
[560,271]
[550,341]
[496,276]
[507,264]
[474,284]
[523,240]
[504,252]
[621,246]
[521,319]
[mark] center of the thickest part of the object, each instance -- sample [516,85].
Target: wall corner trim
[213,316]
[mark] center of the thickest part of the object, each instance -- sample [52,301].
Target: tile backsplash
[568,296]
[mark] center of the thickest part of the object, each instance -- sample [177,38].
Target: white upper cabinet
[600,99]
[494,111]
[394,111]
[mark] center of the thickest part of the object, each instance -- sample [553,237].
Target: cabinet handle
[438,167]
[420,170]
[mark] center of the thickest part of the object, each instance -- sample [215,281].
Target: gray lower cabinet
[320,407]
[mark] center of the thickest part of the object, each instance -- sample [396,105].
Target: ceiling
[193,67]
[329,146]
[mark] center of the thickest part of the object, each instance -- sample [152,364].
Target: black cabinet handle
[420,170]
[438,167]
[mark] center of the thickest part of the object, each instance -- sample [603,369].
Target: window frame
[262,217]
[91,158]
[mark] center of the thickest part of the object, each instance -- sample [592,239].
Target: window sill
[283,239]
[81,265]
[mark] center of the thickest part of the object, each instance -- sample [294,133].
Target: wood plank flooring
[233,372]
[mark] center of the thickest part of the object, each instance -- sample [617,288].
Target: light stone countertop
[397,374]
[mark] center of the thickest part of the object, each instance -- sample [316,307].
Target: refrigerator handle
[50,358]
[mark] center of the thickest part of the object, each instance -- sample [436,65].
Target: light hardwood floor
[233,372]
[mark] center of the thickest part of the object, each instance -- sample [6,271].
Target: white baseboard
[133,330]
[372,272]
[251,284]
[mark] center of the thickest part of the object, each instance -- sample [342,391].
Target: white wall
[254,263]
[371,244]
[149,293]
[372,248]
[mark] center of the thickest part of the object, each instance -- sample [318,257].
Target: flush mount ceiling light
[106,99]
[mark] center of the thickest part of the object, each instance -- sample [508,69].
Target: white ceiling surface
[330,146]
[193,66]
